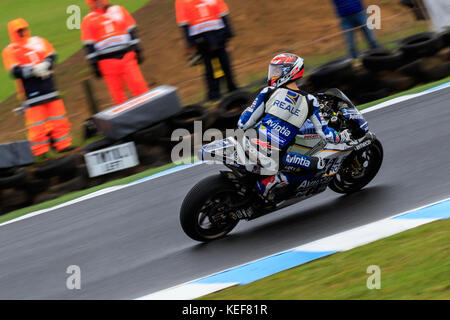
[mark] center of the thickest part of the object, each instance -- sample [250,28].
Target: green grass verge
[47,18]
[78,194]
[414,264]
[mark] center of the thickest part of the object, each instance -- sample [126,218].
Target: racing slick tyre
[358,169]
[16,179]
[205,212]
[231,108]
[381,59]
[420,45]
[188,115]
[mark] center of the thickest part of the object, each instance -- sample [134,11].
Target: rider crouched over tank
[278,114]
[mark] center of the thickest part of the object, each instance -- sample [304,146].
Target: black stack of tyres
[59,176]
[13,191]
[230,109]
[191,120]
[335,73]
[190,114]
[151,135]
[421,45]
[377,60]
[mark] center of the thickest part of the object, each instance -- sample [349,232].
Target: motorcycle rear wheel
[206,212]
[349,180]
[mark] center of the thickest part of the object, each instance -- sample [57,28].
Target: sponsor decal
[363,145]
[292,97]
[298,159]
[279,128]
[288,107]
[314,183]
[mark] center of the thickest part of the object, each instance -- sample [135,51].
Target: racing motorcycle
[215,205]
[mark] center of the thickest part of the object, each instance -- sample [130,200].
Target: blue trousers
[353,21]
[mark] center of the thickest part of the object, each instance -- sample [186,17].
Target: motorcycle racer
[279,112]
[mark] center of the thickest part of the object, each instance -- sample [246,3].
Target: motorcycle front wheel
[358,169]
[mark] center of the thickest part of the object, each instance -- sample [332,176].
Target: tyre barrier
[151,134]
[15,178]
[186,118]
[445,37]
[380,60]
[421,45]
[60,167]
[230,109]
[332,73]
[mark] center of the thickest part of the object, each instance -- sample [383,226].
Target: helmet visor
[275,72]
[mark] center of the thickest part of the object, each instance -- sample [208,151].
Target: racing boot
[267,186]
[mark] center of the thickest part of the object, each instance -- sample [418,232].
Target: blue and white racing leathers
[278,115]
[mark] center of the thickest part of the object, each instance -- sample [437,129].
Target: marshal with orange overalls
[30,60]
[109,35]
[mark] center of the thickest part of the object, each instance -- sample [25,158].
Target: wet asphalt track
[129,243]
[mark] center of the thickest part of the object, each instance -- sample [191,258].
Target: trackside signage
[111,159]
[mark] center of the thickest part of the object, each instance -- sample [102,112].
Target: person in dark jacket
[353,15]
[207,29]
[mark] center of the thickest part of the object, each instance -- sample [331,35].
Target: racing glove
[345,136]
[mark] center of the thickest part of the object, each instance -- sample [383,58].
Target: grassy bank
[47,19]
[414,265]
